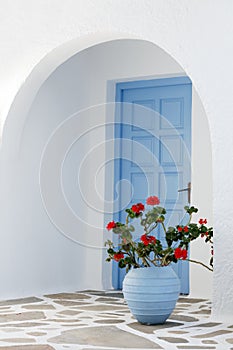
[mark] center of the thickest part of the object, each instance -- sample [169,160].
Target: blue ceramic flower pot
[151,293]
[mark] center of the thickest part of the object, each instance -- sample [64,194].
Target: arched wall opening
[79,86]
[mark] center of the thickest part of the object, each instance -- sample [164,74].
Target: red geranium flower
[181,253]
[177,253]
[148,239]
[204,234]
[202,221]
[111,225]
[152,200]
[186,229]
[118,256]
[137,208]
[184,254]
[179,228]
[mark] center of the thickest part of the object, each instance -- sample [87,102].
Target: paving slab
[206,325]
[21,301]
[150,329]
[183,318]
[191,300]
[108,336]
[69,303]
[18,340]
[209,341]
[212,334]
[195,347]
[174,340]
[109,321]
[37,334]
[27,347]
[68,296]
[24,324]
[22,316]
[102,308]
[39,307]
[229,340]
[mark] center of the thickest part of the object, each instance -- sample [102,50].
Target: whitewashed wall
[29,31]
[84,81]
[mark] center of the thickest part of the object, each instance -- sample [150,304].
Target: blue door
[153,147]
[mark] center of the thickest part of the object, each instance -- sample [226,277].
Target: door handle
[188,189]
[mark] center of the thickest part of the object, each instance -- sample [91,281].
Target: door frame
[119,87]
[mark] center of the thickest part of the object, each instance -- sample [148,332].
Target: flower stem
[145,262]
[152,261]
[190,218]
[165,258]
[200,263]
[152,228]
[164,228]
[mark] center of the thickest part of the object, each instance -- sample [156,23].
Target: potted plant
[151,287]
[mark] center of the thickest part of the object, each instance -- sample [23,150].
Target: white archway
[29,90]
[42,71]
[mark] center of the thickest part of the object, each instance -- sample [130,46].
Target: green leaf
[126,247]
[110,251]
[117,230]
[108,243]
[126,237]
[191,210]
[122,264]
[131,228]
[128,260]
[161,210]
[161,218]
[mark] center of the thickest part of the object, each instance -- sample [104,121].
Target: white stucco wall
[31,30]
[201,280]
[83,82]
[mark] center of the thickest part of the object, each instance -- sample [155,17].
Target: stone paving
[98,320]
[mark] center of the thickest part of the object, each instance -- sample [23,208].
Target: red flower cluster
[137,208]
[118,256]
[181,253]
[204,234]
[111,225]
[147,249]
[185,229]
[152,200]
[148,239]
[202,221]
